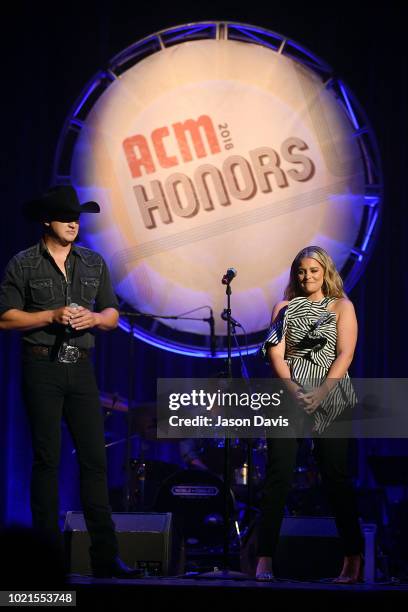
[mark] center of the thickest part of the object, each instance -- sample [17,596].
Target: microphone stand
[225,573]
[131,316]
[245,376]
[227,444]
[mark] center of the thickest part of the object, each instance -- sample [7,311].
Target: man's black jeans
[332,458]
[53,390]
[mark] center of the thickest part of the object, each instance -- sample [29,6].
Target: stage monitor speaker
[308,548]
[150,541]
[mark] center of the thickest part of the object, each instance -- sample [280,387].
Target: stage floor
[188,592]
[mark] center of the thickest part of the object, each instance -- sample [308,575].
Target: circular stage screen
[211,146]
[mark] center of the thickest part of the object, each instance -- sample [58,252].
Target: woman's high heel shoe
[353,570]
[265,577]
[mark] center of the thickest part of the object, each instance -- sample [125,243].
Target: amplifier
[146,540]
[309,548]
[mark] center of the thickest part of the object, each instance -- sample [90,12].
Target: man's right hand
[22,320]
[63,315]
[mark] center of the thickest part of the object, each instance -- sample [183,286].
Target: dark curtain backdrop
[50,50]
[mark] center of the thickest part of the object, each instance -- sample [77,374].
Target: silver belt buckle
[68,353]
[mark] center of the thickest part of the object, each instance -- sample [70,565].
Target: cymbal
[143,416]
[113,401]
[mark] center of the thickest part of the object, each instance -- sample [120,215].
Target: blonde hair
[332,282]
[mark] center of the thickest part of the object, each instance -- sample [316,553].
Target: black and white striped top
[310,332]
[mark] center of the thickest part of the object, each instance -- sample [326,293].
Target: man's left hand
[83,319]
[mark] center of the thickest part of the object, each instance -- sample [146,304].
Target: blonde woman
[312,338]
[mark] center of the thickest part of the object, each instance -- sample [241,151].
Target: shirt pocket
[42,290]
[89,288]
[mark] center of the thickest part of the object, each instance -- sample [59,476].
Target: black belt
[45,351]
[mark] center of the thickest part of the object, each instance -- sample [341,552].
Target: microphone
[69,329]
[229,276]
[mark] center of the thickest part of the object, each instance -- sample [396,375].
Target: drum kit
[196,496]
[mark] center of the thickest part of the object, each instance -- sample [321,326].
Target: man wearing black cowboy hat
[57,293]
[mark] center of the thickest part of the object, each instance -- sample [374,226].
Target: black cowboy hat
[59,203]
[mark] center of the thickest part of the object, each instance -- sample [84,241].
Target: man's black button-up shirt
[33,282]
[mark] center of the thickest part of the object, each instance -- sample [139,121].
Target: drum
[196,499]
[210,159]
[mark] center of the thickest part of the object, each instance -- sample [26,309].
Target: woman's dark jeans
[332,458]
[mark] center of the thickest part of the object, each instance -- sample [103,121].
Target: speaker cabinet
[149,541]
[309,547]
